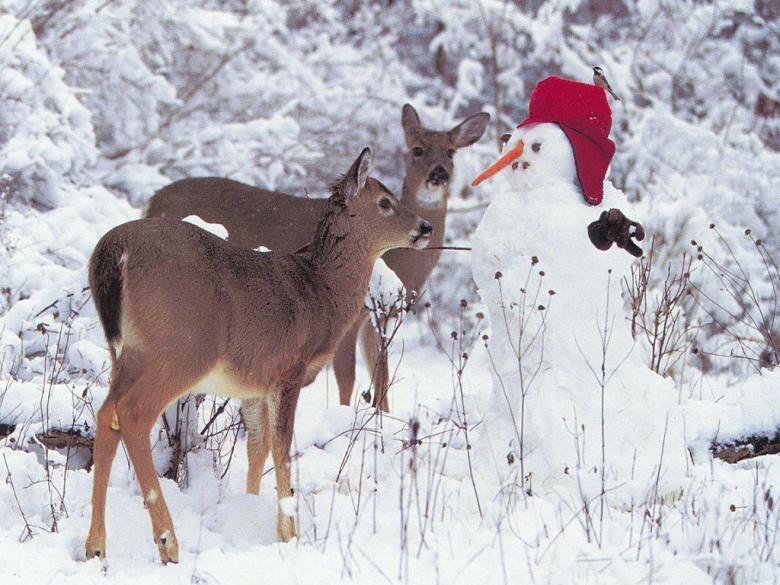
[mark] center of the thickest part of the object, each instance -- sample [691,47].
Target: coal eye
[385,204]
[505,138]
[451,152]
[417,151]
[536,146]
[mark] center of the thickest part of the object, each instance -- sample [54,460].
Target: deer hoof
[96,554]
[168,547]
[95,547]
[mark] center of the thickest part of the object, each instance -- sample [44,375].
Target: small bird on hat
[601,80]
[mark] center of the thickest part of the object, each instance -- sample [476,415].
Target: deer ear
[356,176]
[470,130]
[410,122]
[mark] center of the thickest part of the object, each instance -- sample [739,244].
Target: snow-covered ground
[374,507]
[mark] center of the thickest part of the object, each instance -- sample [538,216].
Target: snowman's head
[561,109]
[534,155]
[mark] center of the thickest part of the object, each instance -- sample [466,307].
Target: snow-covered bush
[46,138]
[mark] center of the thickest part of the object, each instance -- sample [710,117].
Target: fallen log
[6,429]
[747,448]
[64,439]
[73,438]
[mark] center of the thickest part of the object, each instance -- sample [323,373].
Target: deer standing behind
[184,311]
[256,217]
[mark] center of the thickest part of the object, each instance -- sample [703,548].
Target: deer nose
[439,175]
[426,229]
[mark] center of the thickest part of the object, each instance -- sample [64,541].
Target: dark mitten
[613,226]
[597,232]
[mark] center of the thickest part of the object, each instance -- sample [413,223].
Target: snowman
[560,347]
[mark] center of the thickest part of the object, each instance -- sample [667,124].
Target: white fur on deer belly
[220,382]
[430,197]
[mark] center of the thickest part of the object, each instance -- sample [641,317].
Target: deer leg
[344,363]
[255,414]
[106,441]
[281,415]
[376,358]
[136,418]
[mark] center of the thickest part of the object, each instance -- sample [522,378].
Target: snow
[228,536]
[385,286]
[426,493]
[386,295]
[217,229]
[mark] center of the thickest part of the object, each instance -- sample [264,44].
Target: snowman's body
[539,211]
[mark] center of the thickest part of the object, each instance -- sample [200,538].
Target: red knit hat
[584,115]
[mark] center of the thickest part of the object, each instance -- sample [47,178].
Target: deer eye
[385,204]
[417,151]
[451,152]
[536,146]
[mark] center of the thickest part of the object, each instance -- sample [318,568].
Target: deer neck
[343,259]
[428,204]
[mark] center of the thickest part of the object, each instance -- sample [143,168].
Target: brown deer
[185,312]
[256,217]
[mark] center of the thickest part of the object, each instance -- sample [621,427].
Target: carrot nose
[503,161]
